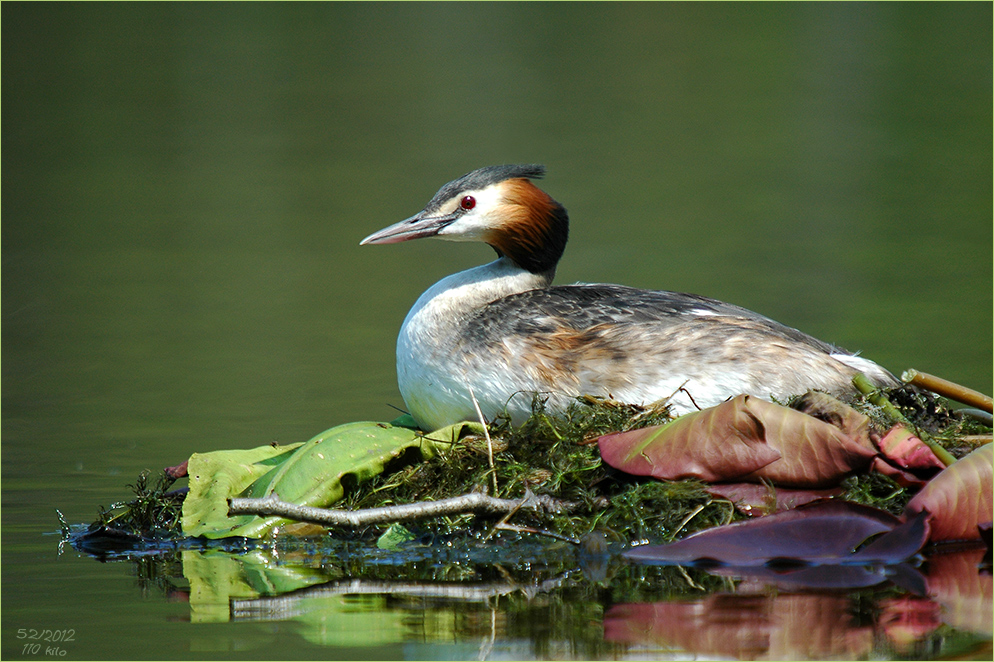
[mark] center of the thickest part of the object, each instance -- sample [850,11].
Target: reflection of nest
[283,607]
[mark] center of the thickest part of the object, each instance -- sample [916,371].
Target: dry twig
[473,502]
[490,443]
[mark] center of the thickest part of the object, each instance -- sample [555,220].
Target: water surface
[185,186]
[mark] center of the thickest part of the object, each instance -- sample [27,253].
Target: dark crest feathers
[485,177]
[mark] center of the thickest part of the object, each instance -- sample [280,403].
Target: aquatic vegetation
[548,476]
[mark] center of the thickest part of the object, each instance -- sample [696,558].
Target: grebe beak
[415,227]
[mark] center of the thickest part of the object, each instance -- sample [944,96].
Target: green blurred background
[185,187]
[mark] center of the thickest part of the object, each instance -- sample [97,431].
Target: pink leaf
[907,451]
[179,471]
[755,499]
[743,439]
[959,499]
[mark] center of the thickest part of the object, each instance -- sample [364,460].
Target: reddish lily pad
[743,439]
[959,499]
[897,474]
[903,448]
[181,470]
[756,499]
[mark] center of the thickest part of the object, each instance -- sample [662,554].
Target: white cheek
[472,225]
[468,228]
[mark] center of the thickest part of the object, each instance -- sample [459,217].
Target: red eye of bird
[468,202]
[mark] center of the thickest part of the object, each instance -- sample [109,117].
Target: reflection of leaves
[959,499]
[348,621]
[334,620]
[795,627]
[966,594]
[743,439]
[828,577]
[359,612]
[313,474]
[823,532]
[216,578]
[908,619]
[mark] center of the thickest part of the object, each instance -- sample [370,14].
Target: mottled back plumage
[582,306]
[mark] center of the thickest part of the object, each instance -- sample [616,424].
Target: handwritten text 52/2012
[47,635]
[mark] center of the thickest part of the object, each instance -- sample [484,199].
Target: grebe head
[497,205]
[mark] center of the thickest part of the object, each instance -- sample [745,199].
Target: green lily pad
[216,476]
[311,474]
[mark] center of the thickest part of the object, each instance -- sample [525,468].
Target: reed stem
[874,395]
[948,389]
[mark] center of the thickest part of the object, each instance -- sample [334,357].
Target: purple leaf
[824,532]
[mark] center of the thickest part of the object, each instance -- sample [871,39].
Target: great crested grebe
[501,332]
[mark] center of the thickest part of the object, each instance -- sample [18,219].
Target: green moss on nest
[877,490]
[154,512]
[557,455]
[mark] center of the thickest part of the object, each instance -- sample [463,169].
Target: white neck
[455,296]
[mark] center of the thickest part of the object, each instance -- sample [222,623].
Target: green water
[185,187]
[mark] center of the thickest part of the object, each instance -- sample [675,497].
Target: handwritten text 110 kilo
[46,636]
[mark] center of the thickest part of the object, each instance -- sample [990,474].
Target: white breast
[434,376]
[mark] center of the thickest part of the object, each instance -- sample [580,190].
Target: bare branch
[473,502]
